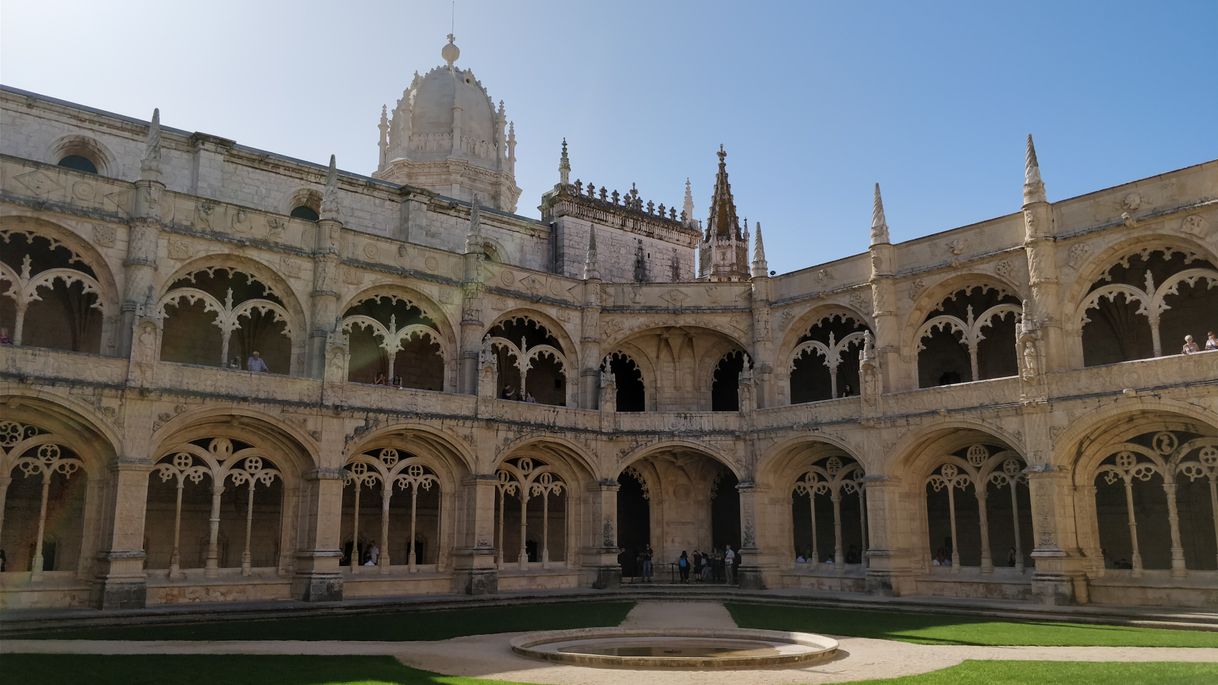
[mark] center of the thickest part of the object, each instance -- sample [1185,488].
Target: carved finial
[722,155]
[687,209]
[591,268]
[329,196]
[761,268]
[384,129]
[473,237]
[564,166]
[450,52]
[150,166]
[879,224]
[1033,186]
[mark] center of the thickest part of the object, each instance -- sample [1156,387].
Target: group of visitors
[853,556]
[1191,347]
[522,395]
[709,567]
[254,363]
[369,553]
[395,382]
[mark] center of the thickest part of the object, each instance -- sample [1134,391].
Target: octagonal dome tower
[446,135]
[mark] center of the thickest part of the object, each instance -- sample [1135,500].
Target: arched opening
[394,342]
[49,296]
[79,163]
[44,501]
[214,502]
[532,515]
[825,361]
[692,506]
[531,361]
[391,511]
[220,316]
[1155,503]
[828,513]
[304,212]
[969,336]
[1146,303]
[634,521]
[631,394]
[978,510]
[725,388]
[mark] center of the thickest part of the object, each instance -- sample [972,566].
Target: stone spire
[724,223]
[1033,187]
[879,224]
[688,209]
[150,165]
[329,196]
[473,237]
[591,268]
[564,166]
[761,269]
[384,128]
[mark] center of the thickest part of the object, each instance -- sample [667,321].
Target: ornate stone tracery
[977,467]
[833,477]
[390,468]
[526,478]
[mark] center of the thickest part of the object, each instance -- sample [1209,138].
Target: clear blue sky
[814,101]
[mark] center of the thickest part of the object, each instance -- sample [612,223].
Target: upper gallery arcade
[496,402]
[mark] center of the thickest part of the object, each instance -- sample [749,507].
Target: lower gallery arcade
[243,505]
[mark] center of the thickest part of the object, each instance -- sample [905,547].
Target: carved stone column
[324,295]
[753,566]
[119,581]
[1060,576]
[590,345]
[474,567]
[140,264]
[317,577]
[888,559]
[601,554]
[471,326]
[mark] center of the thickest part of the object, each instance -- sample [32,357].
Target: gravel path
[489,656]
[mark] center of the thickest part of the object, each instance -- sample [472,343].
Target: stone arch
[1146,479]
[1140,300]
[412,518]
[650,449]
[378,341]
[549,350]
[55,469]
[538,505]
[307,198]
[964,325]
[277,303]
[810,315]
[826,367]
[75,270]
[1095,265]
[83,146]
[258,461]
[974,504]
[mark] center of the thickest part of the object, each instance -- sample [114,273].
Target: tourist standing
[645,557]
[683,566]
[729,565]
[256,364]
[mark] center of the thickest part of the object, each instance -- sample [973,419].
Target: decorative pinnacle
[722,155]
[760,268]
[329,196]
[591,268]
[150,165]
[689,204]
[1033,186]
[473,237]
[879,224]
[564,166]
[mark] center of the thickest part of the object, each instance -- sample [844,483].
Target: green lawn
[395,626]
[960,630]
[35,669]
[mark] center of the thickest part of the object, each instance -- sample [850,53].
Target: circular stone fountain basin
[675,648]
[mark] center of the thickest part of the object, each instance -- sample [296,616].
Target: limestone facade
[998,410]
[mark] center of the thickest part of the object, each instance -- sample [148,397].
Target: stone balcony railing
[41,366]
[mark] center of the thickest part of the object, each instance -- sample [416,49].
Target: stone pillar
[590,345]
[753,565]
[601,555]
[474,570]
[472,325]
[119,580]
[894,376]
[324,296]
[1060,575]
[766,393]
[317,577]
[888,560]
[139,267]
